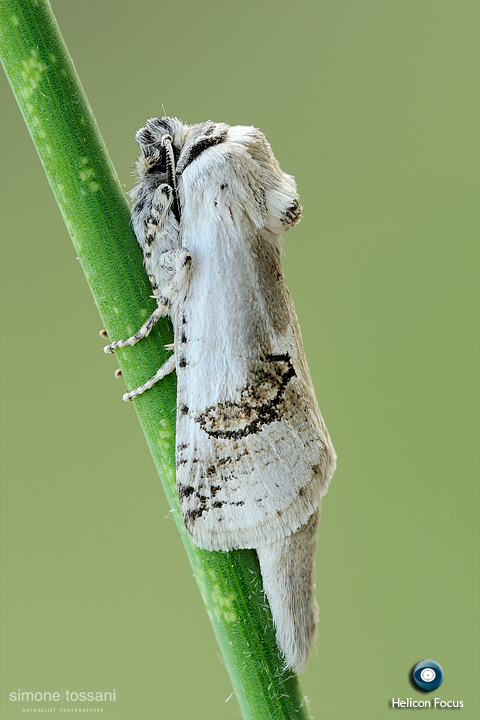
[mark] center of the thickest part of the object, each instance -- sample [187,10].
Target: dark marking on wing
[259,404]
[208,140]
[292,214]
[184,491]
[194,514]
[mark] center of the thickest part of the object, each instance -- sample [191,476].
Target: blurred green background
[373,106]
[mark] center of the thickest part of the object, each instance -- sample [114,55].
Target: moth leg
[158,217]
[178,262]
[166,368]
[160,207]
[143,332]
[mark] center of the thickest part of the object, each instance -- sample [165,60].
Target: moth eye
[156,162]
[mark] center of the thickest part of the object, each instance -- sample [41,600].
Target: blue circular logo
[428,675]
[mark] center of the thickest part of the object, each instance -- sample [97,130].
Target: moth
[253,455]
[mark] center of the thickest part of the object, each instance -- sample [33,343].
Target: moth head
[152,157]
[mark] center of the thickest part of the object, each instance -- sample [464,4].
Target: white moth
[253,455]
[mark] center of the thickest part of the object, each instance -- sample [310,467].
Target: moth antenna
[171,175]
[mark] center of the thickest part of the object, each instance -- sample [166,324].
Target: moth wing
[253,455]
[253,471]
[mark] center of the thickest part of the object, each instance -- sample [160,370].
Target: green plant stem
[87,190]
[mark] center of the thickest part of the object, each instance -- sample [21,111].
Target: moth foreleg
[143,332]
[178,263]
[166,368]
[156,221]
